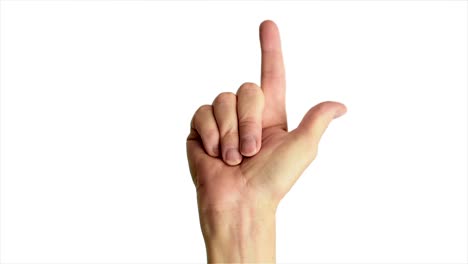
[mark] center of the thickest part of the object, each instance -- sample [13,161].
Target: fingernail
[233,156]
[248,146]
[339,113]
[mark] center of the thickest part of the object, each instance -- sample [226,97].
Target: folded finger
[205,124]
[250,103]
[224,109]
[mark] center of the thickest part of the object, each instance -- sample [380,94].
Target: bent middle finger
[225,112]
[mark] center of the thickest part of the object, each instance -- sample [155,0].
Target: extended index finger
[273,81]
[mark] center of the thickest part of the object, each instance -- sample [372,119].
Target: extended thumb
[317,119]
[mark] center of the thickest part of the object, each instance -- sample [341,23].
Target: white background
[97,96]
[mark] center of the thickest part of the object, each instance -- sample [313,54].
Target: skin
[239,182]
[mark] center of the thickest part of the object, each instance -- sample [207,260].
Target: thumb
[291,159]
[316,121]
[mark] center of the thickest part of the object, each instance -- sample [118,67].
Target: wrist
[241,235]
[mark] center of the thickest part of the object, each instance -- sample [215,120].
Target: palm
[222,185]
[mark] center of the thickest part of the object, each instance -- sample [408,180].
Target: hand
[243,160]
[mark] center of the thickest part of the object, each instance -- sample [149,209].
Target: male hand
[243,160]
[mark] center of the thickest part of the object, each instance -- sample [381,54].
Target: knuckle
[230,134]
[248,85]
[248,123]
[225,97]
[202,109]
[199,118]
[250,115]
[228,127]
[248,88]
[249,128]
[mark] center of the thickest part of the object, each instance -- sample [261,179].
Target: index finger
[273,81]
